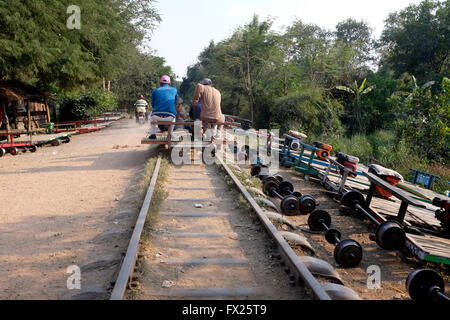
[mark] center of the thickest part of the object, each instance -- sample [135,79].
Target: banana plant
[357,92]
[415,89]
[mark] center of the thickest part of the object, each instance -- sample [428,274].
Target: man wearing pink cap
[163,102]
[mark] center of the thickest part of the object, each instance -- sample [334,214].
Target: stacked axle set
[347,253]
[422,284]
[389,233]
[292,202]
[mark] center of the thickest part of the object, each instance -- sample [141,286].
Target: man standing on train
[211,112]
[163,102]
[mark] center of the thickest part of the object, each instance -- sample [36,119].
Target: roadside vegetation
[159,193]
[99,67]
[385,98]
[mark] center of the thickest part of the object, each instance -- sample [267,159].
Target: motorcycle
[141,117]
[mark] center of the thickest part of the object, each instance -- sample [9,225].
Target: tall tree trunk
[249,86]
[285,85]
[358,114]
[251,102]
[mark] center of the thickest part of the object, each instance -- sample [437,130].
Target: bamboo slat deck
[429,248]
[390,208]
[426,248]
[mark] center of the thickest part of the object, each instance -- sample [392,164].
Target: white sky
[188,25]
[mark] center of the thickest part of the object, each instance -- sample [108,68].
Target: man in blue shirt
[163,103]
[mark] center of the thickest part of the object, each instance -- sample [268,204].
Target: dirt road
[69,205]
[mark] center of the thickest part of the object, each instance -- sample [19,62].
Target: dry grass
[243,204]
[159,193]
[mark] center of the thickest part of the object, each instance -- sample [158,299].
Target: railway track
[204,257]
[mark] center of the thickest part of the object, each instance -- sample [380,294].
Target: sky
[188,26]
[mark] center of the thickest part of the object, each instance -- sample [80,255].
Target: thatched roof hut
[16,90]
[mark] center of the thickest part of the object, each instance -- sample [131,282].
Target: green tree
[416,40]
[357,35]
[39,49]
[309,47]
[194,75]
[140,77]
[85,105]
[377,113]
[424,120]
[310,110]
[321,58]
[252,47]
[357,92]
[236,66]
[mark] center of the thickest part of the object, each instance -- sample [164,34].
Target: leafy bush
[274,126]
[424,120]
[85,105]
[358,145]
[308,110]
[392,152]
[444,173]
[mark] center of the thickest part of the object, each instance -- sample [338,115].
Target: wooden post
[1,114]
[8,138]
[29,115]
[104,88]
[46,107]
[109,86]
[36,124]
[8,127]
[402,211]
[169,136]
[15,116]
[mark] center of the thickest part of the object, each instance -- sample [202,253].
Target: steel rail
[129,262]
[288,254]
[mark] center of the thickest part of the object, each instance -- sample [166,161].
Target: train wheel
[13,151]
[2,152]
[56,142]
[33,148]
